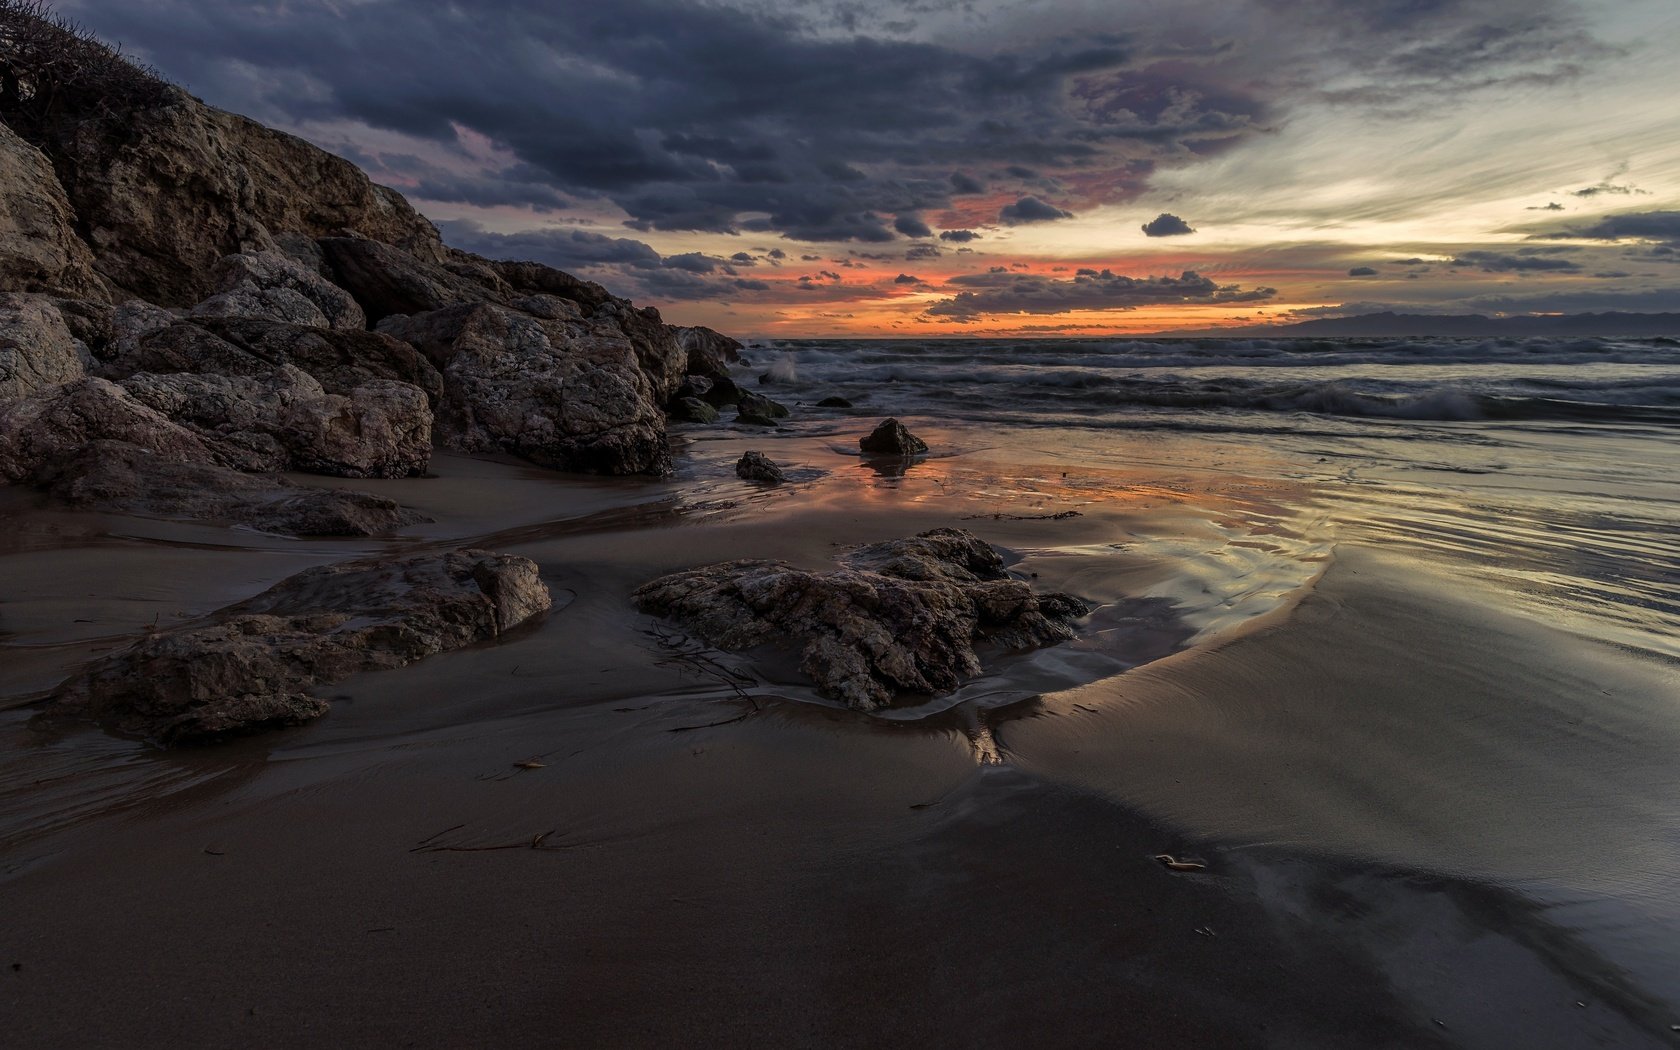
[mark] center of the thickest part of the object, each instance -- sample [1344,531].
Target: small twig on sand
[434,838]
[742,717]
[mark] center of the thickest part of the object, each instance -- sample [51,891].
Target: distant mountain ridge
[1455,326]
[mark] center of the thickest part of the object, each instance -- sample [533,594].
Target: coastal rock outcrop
[709,353]
[40,433]
[250,666]
[274,287]
[39,249]
[545,390]
[37,349]
[286,421]
[900,616]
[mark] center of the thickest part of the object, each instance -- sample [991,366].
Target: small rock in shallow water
[692,410]
[892,439]
[756,466]
[834,402]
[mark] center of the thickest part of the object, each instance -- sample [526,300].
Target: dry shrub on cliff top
[51,66]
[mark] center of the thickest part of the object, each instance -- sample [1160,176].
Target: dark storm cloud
[912,226]
[1031,209]
[561,249]
[1527,261]
[688,116]
[1629,226]
[1003,292]
[905,278]
[1608,188]
[959,236]
[1166,225]
[1362,271]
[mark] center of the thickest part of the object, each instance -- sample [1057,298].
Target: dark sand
[713,871]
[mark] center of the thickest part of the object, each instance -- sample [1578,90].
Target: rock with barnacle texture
[39,248]
[271,286]
[252,666]
[892,439]
[756,466]
[902,616]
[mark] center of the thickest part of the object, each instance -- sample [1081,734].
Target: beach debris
[250,666]
[756,466]
[895,617]
[530,763]
[892,439]
[1172,863]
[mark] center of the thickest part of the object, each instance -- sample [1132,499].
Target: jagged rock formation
[250,666]
[900,616]
[224,276]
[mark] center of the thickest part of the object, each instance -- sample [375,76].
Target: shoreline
[806,869]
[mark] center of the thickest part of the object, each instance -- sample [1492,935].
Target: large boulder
[561,394]
[900,616]
[339,360]
[286,421]
[165,186]
[39,433]
[275,287]
[37,349]
[39,248]
[118,476]
[252,665]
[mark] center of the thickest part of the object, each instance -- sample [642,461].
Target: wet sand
[1351,753]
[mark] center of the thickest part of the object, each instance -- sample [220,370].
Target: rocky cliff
[185,283]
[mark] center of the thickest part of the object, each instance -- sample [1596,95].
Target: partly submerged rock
[834,402]
[692,410]
[900,616]
[37,349]
[756,466]
[892,439]
[751,404]
[250,666]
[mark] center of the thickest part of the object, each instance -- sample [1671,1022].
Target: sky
[782,168]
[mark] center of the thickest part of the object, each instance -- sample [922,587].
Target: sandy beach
[698,849]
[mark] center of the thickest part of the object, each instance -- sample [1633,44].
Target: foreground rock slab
[902,616]
[251,665]
[756,466]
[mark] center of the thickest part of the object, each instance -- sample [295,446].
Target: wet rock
[39,248]
[546,391]
[903,616]
[694,386]
[756,466]
[751,404]
[708,353]
[286,421]
[692,410]
[250,666]
[270,286]
[125,478]
[892,439]
[723,392]
[834,402]
[37,349]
